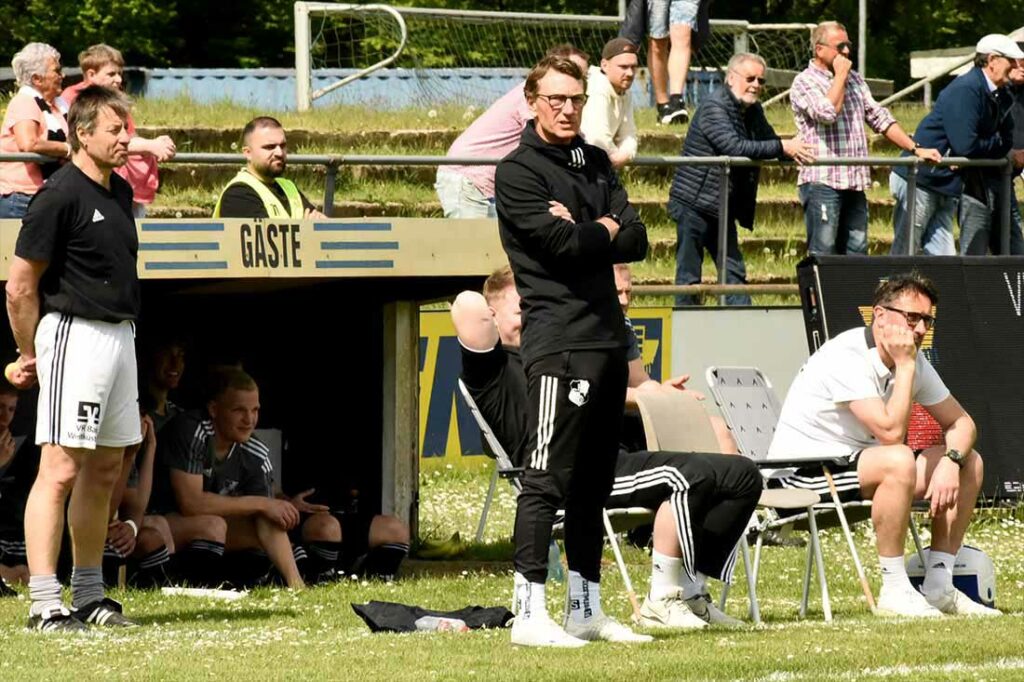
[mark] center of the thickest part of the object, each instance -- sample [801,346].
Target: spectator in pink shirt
[468,191]
[104,65]
[35,122]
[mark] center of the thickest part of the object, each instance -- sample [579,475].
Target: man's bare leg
[44,524]
[657,65]
[88,517]
[255,532]
[680,36]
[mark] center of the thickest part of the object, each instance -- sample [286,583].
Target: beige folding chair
[615,520]
[751,409]
[675,421]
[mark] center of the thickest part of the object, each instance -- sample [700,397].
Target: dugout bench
[325,316]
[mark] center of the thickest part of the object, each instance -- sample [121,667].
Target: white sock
[584,599]
[530,598]
[666,572]
[696,587]
[894,572]
[938,578]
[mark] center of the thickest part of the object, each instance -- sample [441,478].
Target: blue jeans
[14,205]
[979,225]
[836,220]
[933,221]
[696,232]
[460,198]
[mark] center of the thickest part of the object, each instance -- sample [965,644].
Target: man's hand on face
[898,342]
[841,65]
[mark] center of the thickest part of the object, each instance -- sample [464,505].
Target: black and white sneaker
[55,620]
[673,112]
[6,590]
[105,612]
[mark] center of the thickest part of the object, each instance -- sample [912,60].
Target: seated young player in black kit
[703,501]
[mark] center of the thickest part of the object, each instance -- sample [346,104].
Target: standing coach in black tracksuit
[564,220]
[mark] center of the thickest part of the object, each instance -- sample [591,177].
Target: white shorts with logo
[88,383]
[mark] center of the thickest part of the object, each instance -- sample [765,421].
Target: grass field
[274,634]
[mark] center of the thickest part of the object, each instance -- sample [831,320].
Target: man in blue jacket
[970,118]
[730,122]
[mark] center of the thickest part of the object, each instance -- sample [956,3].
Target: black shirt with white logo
[86,234]
[186,444]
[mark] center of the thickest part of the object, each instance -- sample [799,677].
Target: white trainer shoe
[670,612]
[702,607]
[540,630]
[905,602]
[953,602]
[602,628]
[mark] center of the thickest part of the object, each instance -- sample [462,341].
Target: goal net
[473,57]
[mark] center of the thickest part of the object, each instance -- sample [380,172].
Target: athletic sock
[894,572]
[584,599]
[86,585]
[200,563]
[938,578]
[530,598]
[384,561]
[112,563]
[151,570]
[323,556]
[666,572]
[44,591]
[696,586]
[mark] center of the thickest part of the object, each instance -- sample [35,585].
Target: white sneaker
[669,612]
[540,630]
[604,629]
[955,603]
[904,601]
[702,607]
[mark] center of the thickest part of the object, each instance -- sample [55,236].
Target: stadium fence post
[912,208]
[723,226]
[303,71]
[1004,208]
[329,185]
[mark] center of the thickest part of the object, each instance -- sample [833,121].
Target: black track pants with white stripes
[711,498]
[576,402]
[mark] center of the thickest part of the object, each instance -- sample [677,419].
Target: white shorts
[88,383]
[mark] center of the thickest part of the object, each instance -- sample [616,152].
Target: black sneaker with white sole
[6,590]
[673,112]
[55,620]
[106,612]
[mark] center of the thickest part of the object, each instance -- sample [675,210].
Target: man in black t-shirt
[72,300]
[217,467]
[259,190]
[703,500]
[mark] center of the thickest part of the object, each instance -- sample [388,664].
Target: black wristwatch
[957,457]
[615,217]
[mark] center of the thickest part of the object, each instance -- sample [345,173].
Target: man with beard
[259,191]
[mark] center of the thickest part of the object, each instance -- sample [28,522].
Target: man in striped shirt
[831,103]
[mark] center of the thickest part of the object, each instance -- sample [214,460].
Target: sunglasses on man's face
[751,79]
[840,47]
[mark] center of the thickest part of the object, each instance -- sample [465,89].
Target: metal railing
[332,163]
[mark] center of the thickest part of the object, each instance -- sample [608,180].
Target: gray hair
[819,32]
[741,57]
[31,61]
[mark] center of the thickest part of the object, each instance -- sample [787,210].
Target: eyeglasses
[839,47]
[751,79]
[556,102]
[913,318]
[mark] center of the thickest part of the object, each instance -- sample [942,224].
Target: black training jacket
[563,270]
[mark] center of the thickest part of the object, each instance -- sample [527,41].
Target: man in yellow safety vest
[259,191]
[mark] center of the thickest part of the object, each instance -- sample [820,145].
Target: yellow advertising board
[448,434]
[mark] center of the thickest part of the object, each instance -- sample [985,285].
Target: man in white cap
[608,117]
[986,132]
[970,118]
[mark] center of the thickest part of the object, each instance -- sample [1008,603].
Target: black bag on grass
[382,616]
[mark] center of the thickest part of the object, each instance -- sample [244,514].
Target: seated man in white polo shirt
[852,400]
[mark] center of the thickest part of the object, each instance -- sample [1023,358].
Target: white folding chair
[751,409]
[675,421]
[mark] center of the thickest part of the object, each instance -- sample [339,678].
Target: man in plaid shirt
[831,103]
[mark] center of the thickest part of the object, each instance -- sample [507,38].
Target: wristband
[135,529]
